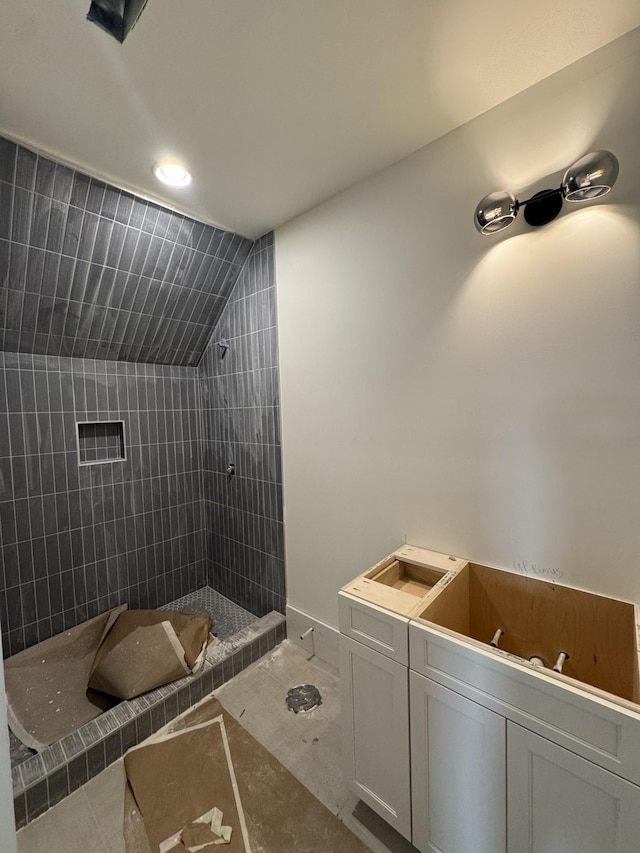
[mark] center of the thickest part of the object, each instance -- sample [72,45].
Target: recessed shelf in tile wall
[100,441]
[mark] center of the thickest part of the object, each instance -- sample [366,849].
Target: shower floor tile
[228,617]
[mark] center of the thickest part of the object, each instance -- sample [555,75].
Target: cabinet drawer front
[374,627]
[584,723]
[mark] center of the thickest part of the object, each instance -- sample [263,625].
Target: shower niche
[100,441]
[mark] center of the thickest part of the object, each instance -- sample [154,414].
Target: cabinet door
[561,802]
[375,720]
[457,772]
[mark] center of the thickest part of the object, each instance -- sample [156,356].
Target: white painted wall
[479,396]
[7,833]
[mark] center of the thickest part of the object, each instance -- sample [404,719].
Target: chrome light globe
[495,212]
[591,176]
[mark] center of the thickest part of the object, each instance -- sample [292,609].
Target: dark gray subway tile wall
[245,538]
[77,540]
[90,271]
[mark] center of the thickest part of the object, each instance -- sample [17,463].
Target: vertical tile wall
[76,540]
[245,541]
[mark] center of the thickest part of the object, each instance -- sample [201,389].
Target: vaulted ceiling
[274,105]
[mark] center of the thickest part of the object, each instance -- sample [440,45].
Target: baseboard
[321,642]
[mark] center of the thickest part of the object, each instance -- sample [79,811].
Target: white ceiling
[275,105]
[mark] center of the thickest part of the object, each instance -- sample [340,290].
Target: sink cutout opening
[542,619]
[406,577]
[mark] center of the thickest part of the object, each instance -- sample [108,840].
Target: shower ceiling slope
[90,271]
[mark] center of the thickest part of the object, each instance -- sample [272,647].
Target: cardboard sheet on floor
[280,814]
[177,777]
[145,649]
[47,696]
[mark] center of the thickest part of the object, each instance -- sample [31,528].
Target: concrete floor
[308,745]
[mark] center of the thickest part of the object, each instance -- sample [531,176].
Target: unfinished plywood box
[538,621]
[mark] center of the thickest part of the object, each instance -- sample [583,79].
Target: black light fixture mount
[589,177]
[117,17]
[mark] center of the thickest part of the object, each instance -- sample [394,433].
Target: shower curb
[47,778]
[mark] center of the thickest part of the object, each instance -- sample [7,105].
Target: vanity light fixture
[589,177]
[172,173]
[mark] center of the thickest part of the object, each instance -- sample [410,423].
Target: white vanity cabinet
[474,749]
[374,678]
[535,761]
[483,784]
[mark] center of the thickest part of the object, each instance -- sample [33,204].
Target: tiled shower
[112,310]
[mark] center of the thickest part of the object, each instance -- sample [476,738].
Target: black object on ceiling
[117,17]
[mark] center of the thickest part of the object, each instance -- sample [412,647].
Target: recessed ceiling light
[172,173]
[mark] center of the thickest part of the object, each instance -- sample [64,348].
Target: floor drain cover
[304,698]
